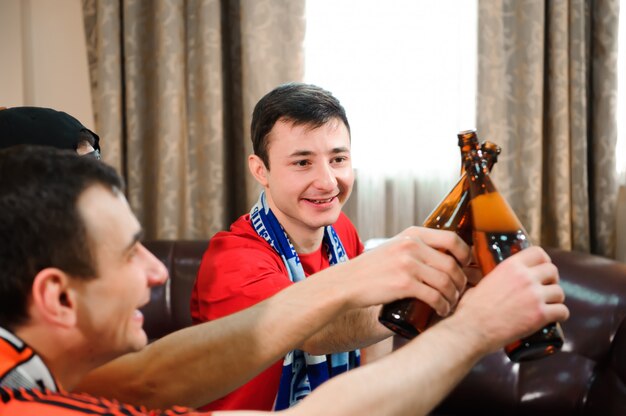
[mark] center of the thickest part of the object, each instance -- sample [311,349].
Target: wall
[44,58]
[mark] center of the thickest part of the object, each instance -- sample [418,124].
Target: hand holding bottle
[498,234]
[520,296]
[419,262]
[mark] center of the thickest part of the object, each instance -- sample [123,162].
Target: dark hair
[40,224]
[294,102]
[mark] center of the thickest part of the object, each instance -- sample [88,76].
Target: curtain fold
[382,205]
[173,84]
[547,84]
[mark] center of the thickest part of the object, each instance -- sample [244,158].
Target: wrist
[467,334]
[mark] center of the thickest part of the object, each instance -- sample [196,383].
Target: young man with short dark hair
[302,159]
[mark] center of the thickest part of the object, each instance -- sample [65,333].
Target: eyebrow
[136,238]
[334,151]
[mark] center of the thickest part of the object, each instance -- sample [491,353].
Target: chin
[333,215]
[138,341]
[325,221]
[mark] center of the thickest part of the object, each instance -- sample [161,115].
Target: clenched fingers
[532,256]
[432,298]
[552,294]
[556,312]
[444,274]
[438,282]
[446,241]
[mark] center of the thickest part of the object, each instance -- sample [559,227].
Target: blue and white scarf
[302,372]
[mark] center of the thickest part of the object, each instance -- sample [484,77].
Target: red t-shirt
[240,269]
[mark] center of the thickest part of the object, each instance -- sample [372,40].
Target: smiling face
[310,178]
[108,305]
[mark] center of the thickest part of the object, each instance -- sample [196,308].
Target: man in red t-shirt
[302,159]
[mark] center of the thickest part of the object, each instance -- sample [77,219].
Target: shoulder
[241,255]
[239,239]
[241,232]
[238,269]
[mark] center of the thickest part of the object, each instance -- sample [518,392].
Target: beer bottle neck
[477,171]
[490,152]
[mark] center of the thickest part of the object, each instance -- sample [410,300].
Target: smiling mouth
[321,201]
[138,316]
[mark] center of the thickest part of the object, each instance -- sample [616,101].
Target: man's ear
[258,169]
[52,297]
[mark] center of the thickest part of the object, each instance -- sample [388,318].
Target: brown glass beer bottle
[498,234]
[452,212]
[408,317]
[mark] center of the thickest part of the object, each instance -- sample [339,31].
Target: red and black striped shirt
[28,389]
[33,402]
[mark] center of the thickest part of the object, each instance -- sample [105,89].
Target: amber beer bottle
[408,317]
[498,234]
[452,213]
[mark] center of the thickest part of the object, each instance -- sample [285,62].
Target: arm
[431,364]
[389,385]
[520,296]
[442,283]
[199,364]
[353,329]
[213,358]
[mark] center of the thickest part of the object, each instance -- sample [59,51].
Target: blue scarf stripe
[302,372]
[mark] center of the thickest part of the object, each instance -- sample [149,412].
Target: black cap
[41,126]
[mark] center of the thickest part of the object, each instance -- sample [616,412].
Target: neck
[305,244]
[64,358]
[304,239]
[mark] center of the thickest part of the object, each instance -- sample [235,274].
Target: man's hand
[419,262]
[520,296]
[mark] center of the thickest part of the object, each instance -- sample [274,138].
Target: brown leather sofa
[587,378]
[168,309]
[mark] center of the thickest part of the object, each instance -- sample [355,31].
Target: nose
[325,178]
[156,271]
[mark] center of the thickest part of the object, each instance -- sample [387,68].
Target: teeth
[321,201]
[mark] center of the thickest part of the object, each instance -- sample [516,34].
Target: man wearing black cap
[46,127]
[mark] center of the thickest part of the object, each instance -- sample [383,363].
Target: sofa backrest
[168,309]
[588,377]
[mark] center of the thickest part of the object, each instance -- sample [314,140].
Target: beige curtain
[547,94]
[382,205]
[174,83]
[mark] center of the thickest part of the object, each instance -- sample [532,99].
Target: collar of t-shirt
[21,367]
[315,261]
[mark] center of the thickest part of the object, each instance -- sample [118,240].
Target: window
[406,73]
